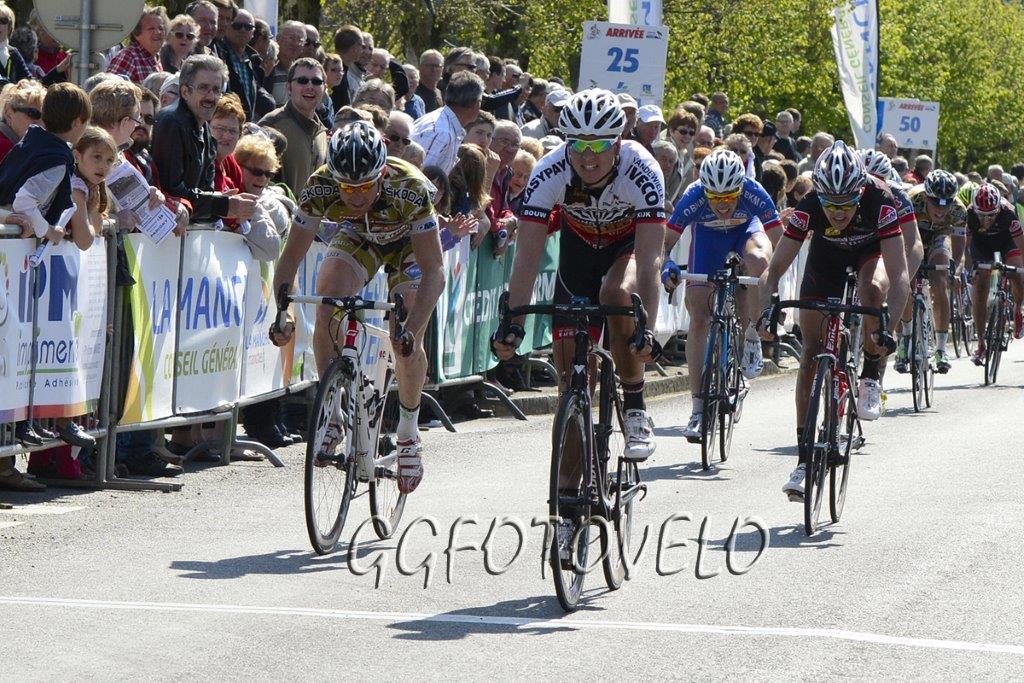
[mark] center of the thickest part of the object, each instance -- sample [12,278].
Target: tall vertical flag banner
[642,12]
[266,10]
[855,39]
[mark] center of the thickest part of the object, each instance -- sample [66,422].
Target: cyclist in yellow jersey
[383,209]
[942,222]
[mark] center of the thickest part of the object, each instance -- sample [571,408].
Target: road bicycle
[352,422]
[999,322]
[584,490]
[723,386]
[831,429]
[922,339]
[961,318]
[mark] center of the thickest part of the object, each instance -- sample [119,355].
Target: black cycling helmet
[356,153]
[941,187]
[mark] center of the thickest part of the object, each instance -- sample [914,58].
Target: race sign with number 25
[625,58]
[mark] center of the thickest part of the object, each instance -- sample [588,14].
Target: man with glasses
[297,121]
[291,39]
[183,147]
[431,69]
[505,143]
[992,226]
[441,131]
[606,196]
[206,15]
[387,219]
[819,143]
[243,62]
[942,222]
[312,46]
[727,211]
[852,221]
[397,134]
[750,127]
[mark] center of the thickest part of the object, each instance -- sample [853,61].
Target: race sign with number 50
[914,124]
[625,58]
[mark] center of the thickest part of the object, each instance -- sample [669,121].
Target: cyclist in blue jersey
[728,212]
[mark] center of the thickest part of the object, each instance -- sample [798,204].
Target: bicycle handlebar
[700,277]
[997,265]
[576,309]
[832,308]
[349,304]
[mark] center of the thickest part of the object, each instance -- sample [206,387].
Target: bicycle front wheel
[817,440]
[957,329]
[712,389]
[730,405]
[993,342]
[610,443]
[918,357]
[849,440]
[330,476]
[386,502]
[569,503]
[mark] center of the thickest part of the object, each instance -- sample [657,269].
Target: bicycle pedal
[795,497]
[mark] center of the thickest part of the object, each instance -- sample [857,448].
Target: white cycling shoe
[410,465]
[639,434]
[794,488]
[692,429]
[753,361]
[869,399]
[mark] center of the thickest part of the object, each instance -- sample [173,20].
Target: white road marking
[41,509]
[553,624]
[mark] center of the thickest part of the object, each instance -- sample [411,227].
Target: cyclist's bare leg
[410,371]
[1016,279]
[757,252]
[939,281]
[699,302]
[811,324]
[336,278]
[618,285]
[914,249]
[872,287]
[979,300]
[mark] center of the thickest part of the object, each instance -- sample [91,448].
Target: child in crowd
[36,180]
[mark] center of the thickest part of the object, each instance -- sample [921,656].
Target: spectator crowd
[226,122]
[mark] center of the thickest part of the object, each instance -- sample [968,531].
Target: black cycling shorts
[825,270]
[983,250]
[581,271]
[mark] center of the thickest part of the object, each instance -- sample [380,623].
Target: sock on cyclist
[871,366]
[698,404]
[941,338]
[633,395]
[408,423]
[906,327]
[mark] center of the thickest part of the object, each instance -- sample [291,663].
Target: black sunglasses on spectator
[240,26]
[303,80]
[259,172]
[149,119]
[397,138]
[30,112]
[181,35]
[685,131]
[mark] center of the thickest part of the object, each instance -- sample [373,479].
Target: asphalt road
[921,579]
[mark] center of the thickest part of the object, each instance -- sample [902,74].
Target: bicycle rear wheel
[849,440]
[730,406]
[931,343]
[712,389]
[957,328]
[386,502]
[330,471]
[918,357]
[993,342]
[817,439]
[610,443]
[970,332]
[569,502]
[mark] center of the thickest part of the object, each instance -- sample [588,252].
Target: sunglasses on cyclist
[840,202]
[259,172]
[303,80]
[181,35]
[723,198]
[353,188]
[595,146]
[30,112]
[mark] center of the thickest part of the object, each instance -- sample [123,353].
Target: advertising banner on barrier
[450,321]
[72,324]
[152,302]
[15,328]
[264,363]
[211,303]
[480,315]
[304,367]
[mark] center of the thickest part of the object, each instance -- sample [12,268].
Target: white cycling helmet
[356,153]
[876,163]
[722,172]
[592,112]
[839,171]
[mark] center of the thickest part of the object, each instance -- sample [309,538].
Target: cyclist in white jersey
[606,197]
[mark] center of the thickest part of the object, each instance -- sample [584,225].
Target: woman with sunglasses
[727,211]
[182,36]
[852,220]
[992,226]
[20,107]
[606,197]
